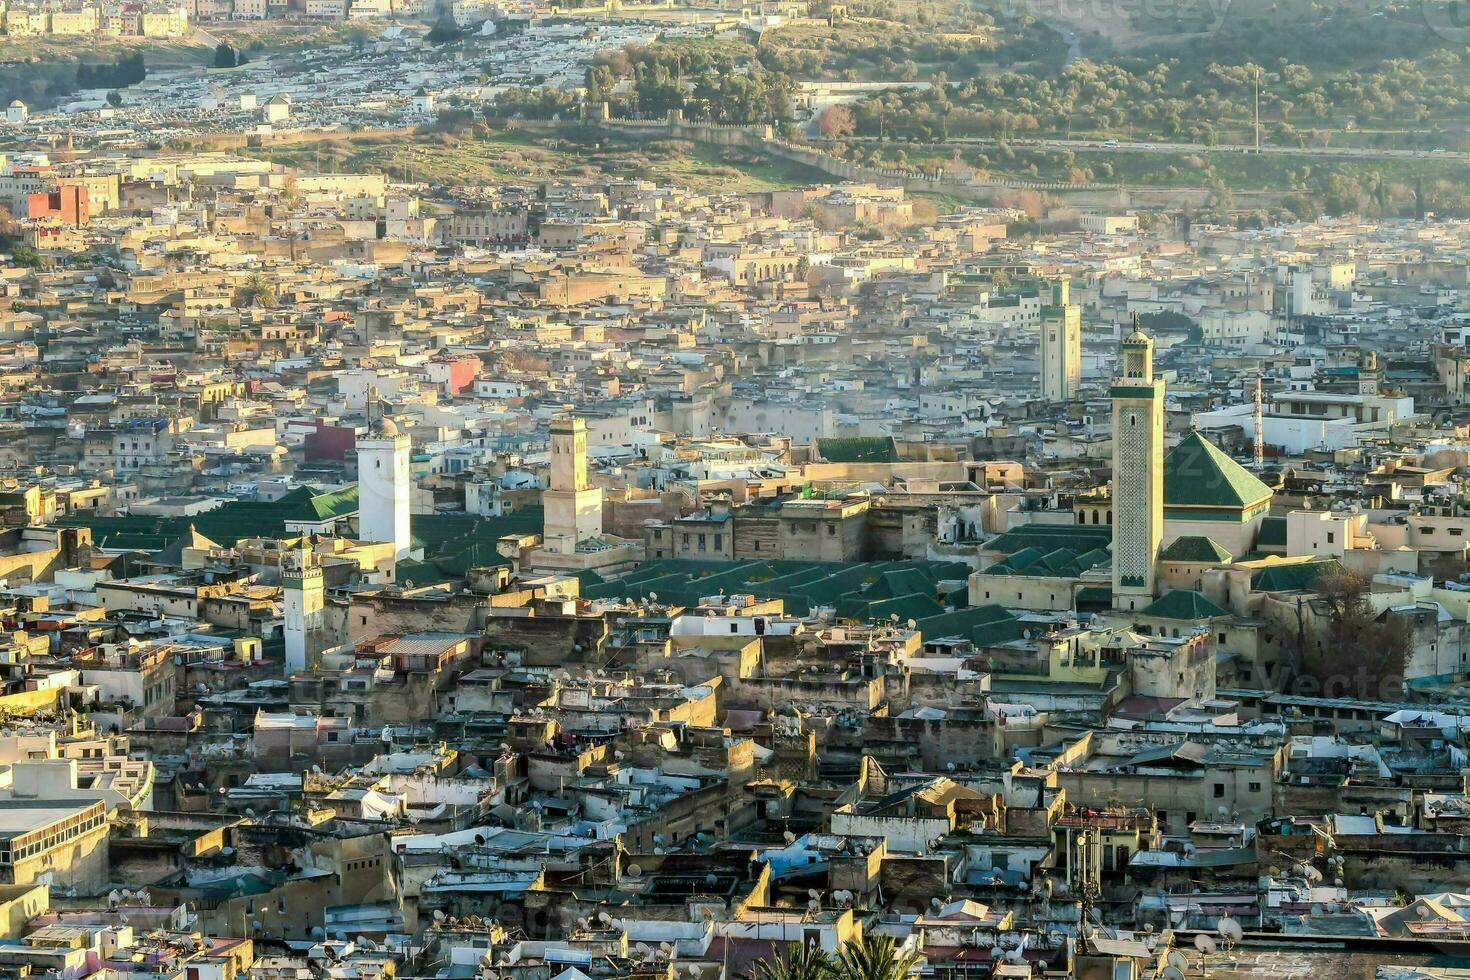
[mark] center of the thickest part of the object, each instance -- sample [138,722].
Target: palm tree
[800,962]
[875,958]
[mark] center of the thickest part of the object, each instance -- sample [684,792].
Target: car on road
[1110,144]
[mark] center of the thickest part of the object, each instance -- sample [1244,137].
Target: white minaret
[1138,473]
[573,508]
[383,486]
[301,575]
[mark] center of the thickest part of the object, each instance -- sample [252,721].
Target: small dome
[387,428]
[17,104]
[1138,337]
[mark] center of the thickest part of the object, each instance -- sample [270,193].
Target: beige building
[67,840]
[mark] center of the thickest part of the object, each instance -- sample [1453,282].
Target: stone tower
[1061,346]
[573,508]
[1138,473]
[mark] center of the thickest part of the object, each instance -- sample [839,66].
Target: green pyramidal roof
[1198,474]
[1196,548]
[1184,604]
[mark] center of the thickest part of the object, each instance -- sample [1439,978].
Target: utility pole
[1258,110]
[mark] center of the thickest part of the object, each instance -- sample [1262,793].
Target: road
[1133,146]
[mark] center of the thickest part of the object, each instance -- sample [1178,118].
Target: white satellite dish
[1172,973]
[1231,930]
[1204,944]
[1177,960]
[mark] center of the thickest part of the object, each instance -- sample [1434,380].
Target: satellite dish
[996,953]
[1172,973]
[1094,915]
[635,871]
[1177,961]
[1231,930]
[1204,944]
[438,915]
[789,837]
[1148,927]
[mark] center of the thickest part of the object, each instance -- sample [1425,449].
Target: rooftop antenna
[1259,446]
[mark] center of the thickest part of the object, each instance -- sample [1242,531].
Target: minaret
[383,486]
[301,576]
[573,509]
[1369,374]
[1061,346]
[1138,473]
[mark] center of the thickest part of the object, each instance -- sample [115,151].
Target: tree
[224,56]
[799,962]
[445,29]
[257,291]
[875,958]
[836,122]
[1349,648]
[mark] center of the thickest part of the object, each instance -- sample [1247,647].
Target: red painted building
[66,204]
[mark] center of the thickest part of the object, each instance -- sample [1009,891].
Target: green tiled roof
[1198,474]
[1272,534]
[1062,562]
[1183,604]
[1196,548]
[1047,538]
[858,449]
[858,590]
[1293,576]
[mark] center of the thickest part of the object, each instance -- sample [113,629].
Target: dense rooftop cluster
[596,577]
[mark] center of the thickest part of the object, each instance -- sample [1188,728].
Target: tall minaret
[573,509]
[1138,473]
[301,577]
[384,485]
[1061,345]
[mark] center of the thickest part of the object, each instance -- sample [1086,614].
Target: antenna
[1259,446]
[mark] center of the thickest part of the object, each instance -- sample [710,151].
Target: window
[1255,787]
[1188,817]
[1330,537]
[1219,791]
[831,529]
